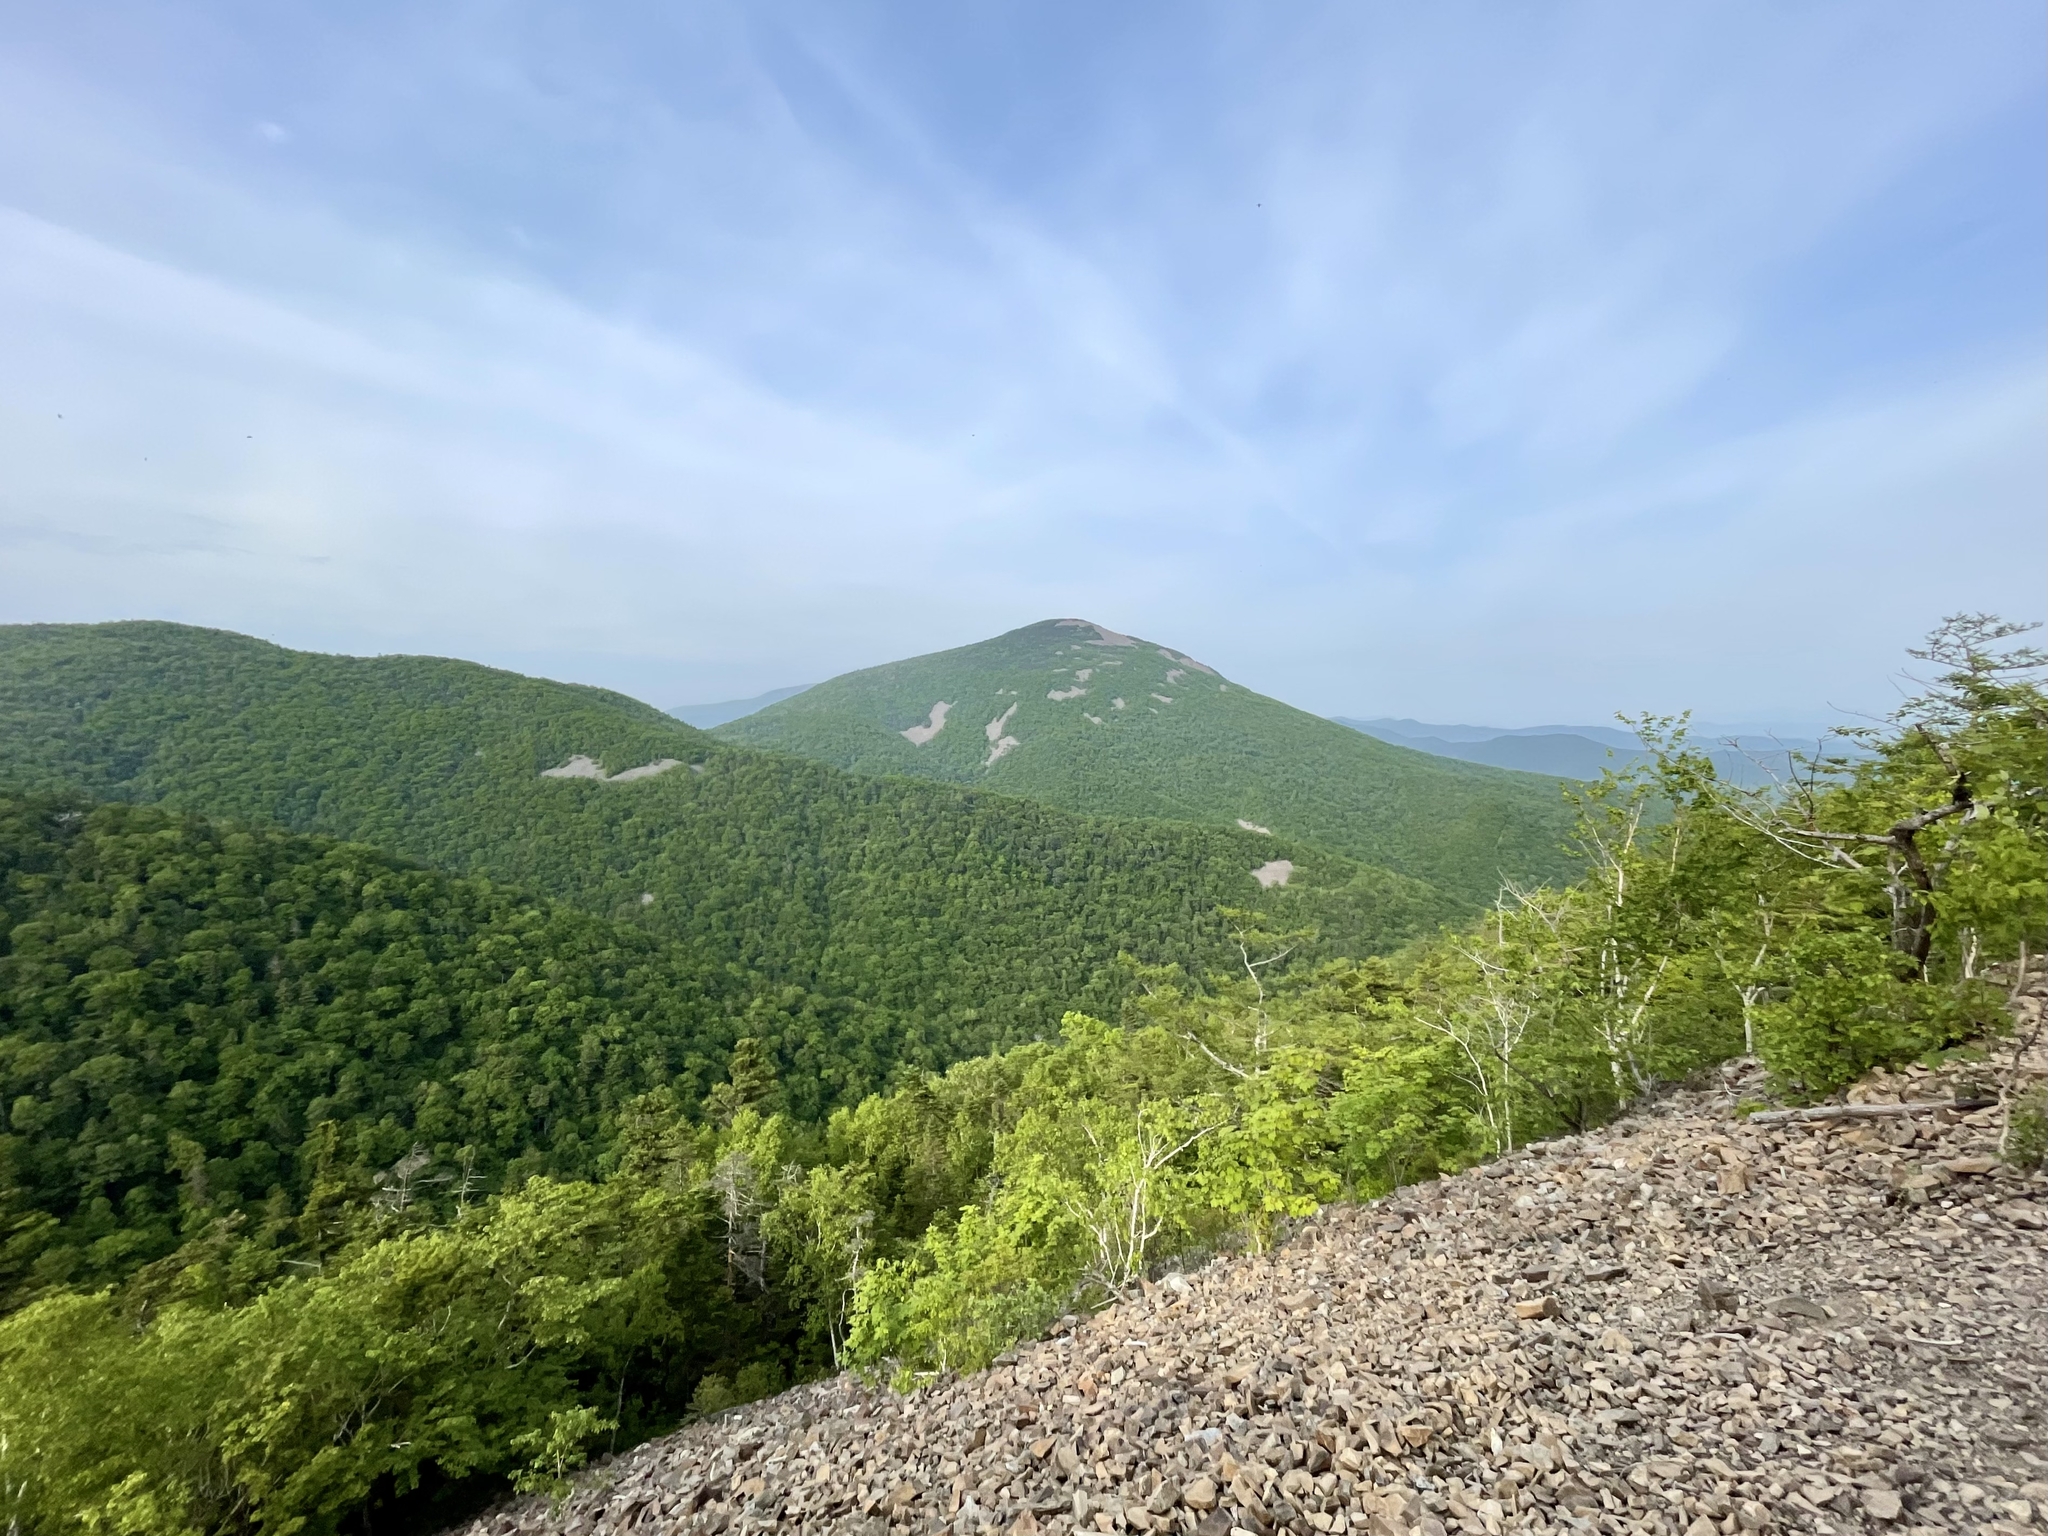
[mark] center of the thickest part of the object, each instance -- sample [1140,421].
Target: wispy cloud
[1394,360]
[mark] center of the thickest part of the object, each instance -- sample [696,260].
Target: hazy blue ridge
[1412,733]
[705,716]
[1741,755]
[1563,756]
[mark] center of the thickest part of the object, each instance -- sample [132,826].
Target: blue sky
[1505,363]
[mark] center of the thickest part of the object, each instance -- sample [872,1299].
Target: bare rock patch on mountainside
[918,735]
[1274,872]
[1000,743]
[1682,1323]
[1186,661]
[1103,636]
[581,767]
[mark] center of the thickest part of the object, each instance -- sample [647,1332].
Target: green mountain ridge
[1080,716]
[855,924]
[270,1258]
[185,1004]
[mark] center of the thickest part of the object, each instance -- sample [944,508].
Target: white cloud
[736,347]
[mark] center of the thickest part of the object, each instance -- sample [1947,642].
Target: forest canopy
[204,1024]
[905,921]
[413,1337]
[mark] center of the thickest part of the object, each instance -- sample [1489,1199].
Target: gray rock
[1366,1367]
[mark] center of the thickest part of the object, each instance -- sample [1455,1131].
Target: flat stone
[1882,1504]
[1800,1306]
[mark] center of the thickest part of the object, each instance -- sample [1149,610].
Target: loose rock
[1599,1336]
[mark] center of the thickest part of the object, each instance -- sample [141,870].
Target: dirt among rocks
[1681,1323]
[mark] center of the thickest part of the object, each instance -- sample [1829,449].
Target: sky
[1464,361]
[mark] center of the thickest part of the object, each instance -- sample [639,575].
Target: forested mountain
[206,1021]
[1083,717]
[854,923]
[214,1035]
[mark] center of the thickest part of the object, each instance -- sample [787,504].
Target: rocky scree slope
[1681,1323]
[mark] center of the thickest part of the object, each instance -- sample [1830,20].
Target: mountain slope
[854,924]
[1679,1322]
[182,1000]
[1082,717]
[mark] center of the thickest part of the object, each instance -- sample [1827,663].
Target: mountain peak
[1079,715]
[1103,634]
[1114,639]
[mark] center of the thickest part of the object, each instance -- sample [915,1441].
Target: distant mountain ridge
[705,716]
[1746,755]
[1403,731]
[1075,714]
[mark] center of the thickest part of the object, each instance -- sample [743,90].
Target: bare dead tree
[1974,687]
[858,1235]
[468,1183]
[1488,1026]
[1261,1020]
[1912,879]
[1751,986]
[400,1186]
[1123,1217]
[1625,993]
[738,1188]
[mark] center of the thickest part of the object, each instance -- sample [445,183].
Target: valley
[746,784]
